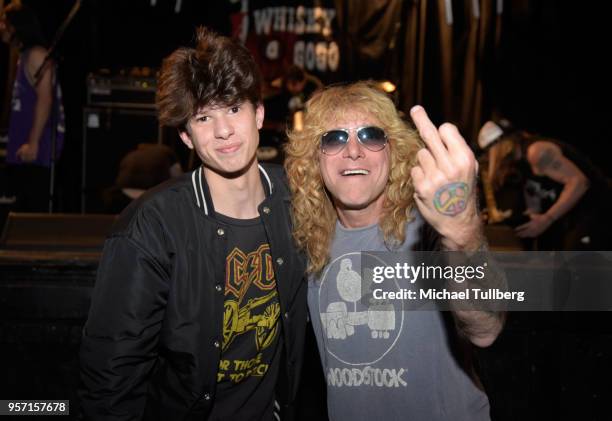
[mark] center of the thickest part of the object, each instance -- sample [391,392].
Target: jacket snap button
[218,287]
[266,210]
[216,344]
[220,231]
[280,261]
[207,396]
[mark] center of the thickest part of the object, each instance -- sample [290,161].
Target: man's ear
[186,138]
[259,115]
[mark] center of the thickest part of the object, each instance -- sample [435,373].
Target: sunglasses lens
[373,138]
[333,141]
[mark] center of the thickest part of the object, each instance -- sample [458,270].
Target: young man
[199,307]
[362,181]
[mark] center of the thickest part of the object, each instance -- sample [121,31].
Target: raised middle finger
[431,137]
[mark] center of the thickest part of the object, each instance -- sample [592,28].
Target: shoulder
[34,58]
[273,170]
[277,177]
[542,149]
[160,205]
[35,55]
[159,225]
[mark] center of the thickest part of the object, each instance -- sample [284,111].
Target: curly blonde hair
[314,216]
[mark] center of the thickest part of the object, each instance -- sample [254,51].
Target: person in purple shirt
[36,110]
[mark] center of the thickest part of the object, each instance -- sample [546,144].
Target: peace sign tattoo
[451,199]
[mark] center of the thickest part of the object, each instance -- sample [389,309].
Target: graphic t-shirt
[382,360]
[251,347]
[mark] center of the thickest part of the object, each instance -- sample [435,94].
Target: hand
[27,152]
[444,181]
[537,225]
[495,215]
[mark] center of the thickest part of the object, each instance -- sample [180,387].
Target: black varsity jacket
[152,343]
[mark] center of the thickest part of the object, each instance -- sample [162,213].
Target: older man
[362,180]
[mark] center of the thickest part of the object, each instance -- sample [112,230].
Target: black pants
[30,185]
[586,227]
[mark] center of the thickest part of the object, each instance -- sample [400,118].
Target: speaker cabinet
[109,134]
[55,232]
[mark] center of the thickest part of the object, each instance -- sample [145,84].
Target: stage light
[387,86]
[298,121]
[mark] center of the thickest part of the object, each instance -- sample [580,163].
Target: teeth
[353,172]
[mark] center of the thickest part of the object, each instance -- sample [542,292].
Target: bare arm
[444,181]
[480,325]
[44,100]
[547,159]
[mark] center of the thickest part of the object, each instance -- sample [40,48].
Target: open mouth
[355,172]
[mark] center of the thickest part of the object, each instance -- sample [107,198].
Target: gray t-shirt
[382,361]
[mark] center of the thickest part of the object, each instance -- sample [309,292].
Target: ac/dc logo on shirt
[245,269]
[251,302]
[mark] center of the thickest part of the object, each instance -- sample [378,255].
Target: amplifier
[44,232]
[109,133]
[121,91]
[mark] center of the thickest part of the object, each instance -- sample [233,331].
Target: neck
[236,196]
[358,218]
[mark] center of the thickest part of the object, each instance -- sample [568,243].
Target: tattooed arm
[444,180]
[546,158]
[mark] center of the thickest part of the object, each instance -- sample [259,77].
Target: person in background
[296,87]
[300,85]
[565,195]
[37,115]
[141,169]
[362,180]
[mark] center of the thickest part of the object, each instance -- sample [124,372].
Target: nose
[223,128]
[353,149]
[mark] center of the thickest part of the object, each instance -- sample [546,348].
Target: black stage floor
[544,366]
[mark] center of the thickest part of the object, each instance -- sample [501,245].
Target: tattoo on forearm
[555,165]
[451,199]
[548,160]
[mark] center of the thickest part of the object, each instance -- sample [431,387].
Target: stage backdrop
[280,33]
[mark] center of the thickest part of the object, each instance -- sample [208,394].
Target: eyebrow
[209,108]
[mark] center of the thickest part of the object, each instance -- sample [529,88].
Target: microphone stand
[53,117]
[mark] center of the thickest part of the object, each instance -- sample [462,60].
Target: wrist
[469,240]
[468,233]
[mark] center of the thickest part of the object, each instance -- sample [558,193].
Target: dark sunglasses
[371,137]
